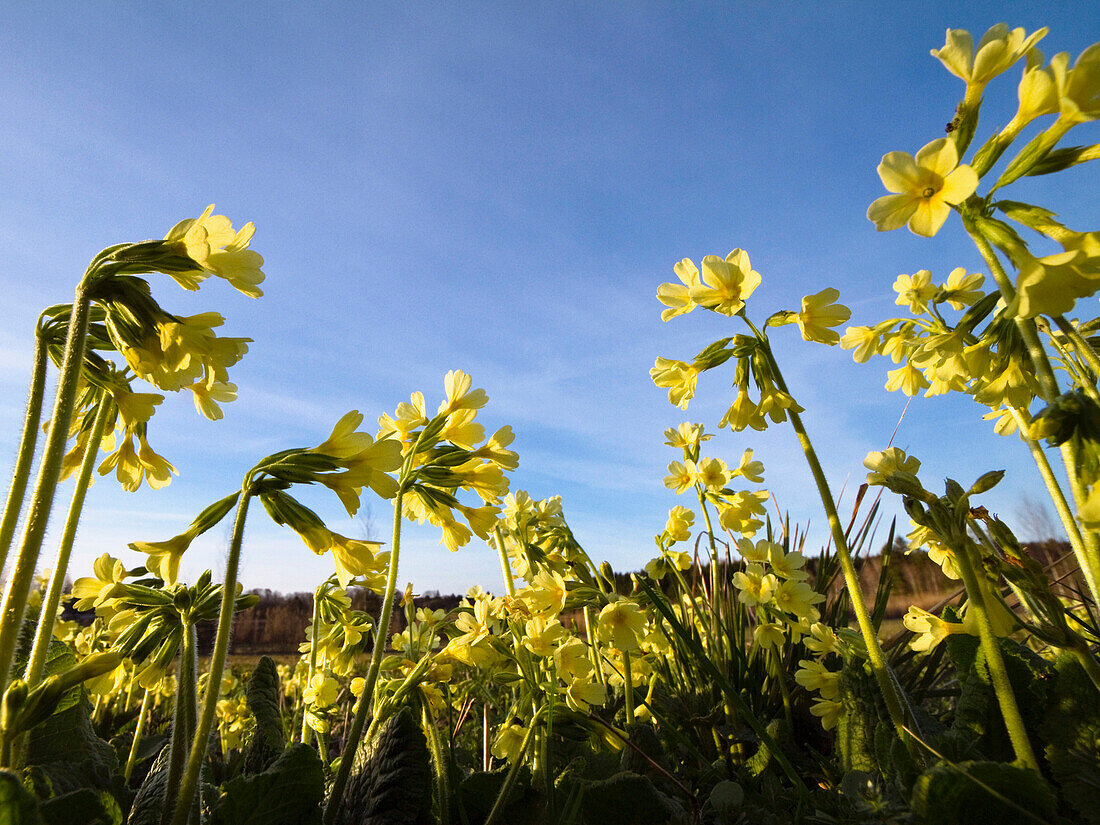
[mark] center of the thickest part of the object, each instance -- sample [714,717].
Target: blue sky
[498,188]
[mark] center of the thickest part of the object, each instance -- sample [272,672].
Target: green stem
[21,474]
[510,779]
[183,718]
[998,674]
[442,786]
[315,626]
[1061,505]
[1080,344]
[190,783]
[1049,384]
[49,471]
[505,567]
[715,608]
[886,682]
[366,699]
[628,688]
[48,614]
[139,731]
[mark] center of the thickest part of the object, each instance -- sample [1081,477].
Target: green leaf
[982,792]
[86,806]
[392,788]
[17,806]
[1072,733]
[625,797]
[268,738]
[288,793]
[858,720]
[479,791]
[67,751]
[148,804]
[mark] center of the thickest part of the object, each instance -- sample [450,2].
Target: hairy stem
[49,471]
[48,615]
[22,472]
[366,699]
[190,782]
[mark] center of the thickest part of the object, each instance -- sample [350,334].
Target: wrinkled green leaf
[392,788]
[288,793]
[1072,733]
[972,792]
[86,806]
[268,739]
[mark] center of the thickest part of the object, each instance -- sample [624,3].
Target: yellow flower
[677,297]
[124,461]
[355,558]
[94,591]
[322,691]
[996,53]
[787,565]
[211,242]
[134,407]
[769,634]
[813,675]
[796,597]
[755,585]
[621,623]
[459,395]
[864,340]
[542,635]
[915,291]
[930,629]
[680,477]
[164,556]
[925,188]
[743,413]
[712,473]
[494,450]
[345,441]
[678,525]
[686,437]
[749,469]
[1052,284]
[462,430]
[409,415]
[962,289]
[889,461]
[209,393]
[819,313]
[1078,88]
[571,659]
[582,694]
[725,283]
[678,377]
[906,378]
[508,742]
[828,710]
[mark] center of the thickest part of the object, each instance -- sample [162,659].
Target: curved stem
[139,731]
[998,674]
[366,699]
[190,782]
[1080,344]
[22,576]
[715,604]
[48,614]
[21,474]
[887,684]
